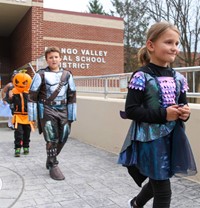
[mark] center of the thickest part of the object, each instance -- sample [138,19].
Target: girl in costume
[156,147]
[5,97]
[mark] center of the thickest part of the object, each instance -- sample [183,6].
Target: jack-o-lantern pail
[22,81]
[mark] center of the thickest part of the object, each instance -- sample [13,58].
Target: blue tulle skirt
[162,158]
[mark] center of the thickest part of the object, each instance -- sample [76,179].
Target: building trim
[83,19]
[37,4]
[84,14]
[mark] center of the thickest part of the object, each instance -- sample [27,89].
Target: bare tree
[135,25]
[185,14]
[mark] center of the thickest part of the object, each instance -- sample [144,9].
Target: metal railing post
[193,83]
[105,87]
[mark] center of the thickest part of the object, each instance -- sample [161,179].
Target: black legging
[160,190]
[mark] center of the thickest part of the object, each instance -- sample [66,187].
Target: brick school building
[91,44]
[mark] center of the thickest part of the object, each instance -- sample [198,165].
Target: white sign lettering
[73,58]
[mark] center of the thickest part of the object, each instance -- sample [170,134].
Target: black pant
[22,134]
[160,190]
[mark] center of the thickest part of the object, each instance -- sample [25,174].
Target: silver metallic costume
[54,114]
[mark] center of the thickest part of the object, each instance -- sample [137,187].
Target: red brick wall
[37,32]
[83,32]
[72,36]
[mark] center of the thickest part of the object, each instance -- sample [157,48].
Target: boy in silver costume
[52,102]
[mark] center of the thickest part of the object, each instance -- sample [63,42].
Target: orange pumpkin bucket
[22,81]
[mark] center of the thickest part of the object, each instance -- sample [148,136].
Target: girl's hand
[184,112]
[173,113]
[4,102]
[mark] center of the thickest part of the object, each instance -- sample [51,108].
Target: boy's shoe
[26,150]
[17,152]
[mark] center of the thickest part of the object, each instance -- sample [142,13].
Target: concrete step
[3,123]
[3,118]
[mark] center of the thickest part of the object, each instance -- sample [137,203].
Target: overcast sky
[75,5]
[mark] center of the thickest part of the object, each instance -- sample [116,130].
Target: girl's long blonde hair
[153,34]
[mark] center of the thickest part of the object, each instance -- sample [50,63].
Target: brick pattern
[37,32]
[83,32]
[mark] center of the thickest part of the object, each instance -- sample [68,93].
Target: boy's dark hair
[52,49]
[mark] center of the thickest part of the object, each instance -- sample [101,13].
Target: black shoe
[132,203]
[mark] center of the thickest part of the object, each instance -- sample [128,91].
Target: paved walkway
[93,179]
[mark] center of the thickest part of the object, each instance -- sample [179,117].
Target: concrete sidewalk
[93,179]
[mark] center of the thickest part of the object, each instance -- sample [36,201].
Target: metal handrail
[116,84]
